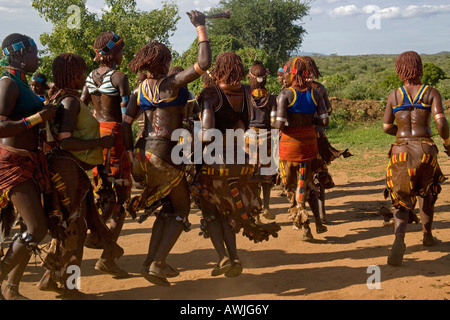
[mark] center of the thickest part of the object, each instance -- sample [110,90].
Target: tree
[75,28]
[269,25]
[432,74]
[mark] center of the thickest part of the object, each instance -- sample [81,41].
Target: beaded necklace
[18,75]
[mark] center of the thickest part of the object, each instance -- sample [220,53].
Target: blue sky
[333,26]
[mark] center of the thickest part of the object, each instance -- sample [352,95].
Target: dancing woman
[23,170]
[167,97]
[108,90]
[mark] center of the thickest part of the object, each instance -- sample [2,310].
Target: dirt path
[334,266]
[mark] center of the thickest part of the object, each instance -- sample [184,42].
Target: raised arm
[204,56]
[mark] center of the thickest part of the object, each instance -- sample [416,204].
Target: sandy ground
[334,266]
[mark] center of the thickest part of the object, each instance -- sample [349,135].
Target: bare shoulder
[119,76]
[6,83]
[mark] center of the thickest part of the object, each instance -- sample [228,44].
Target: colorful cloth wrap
[157,176]
[233,190]
[254,141]
[412,171]
[299,144]
[71,209]
[16,167]
[119,164]
[297,180]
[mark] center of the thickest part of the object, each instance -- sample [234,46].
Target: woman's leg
[25,197]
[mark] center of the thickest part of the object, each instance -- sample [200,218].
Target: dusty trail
[334,266]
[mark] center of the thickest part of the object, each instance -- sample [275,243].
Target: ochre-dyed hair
[312,67]
[175,70]
[302,71]
[409,66]
[208,79]
[153,57]
[65,67]
[257,70]
[101,41]
[228,68]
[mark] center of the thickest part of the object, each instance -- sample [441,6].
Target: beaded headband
[39,79]
[111,44]
[25,44]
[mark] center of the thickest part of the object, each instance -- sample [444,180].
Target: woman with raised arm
[167,97]
[23,170]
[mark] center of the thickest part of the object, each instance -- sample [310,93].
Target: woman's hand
[197,18]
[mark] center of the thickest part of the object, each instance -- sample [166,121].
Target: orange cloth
[120,165]
[299,144]
[17,166]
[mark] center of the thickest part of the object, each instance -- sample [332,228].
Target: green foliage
[444,88]
[135,26]
[391,82]
[269,25]
[373,77]
[432,74]
[334,83]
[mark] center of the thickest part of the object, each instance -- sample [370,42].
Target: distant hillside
[312,54]
[371,77]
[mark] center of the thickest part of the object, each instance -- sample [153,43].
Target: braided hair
[208,79]
[65,67]
[409,66]
[299,78]
[312,67]
[101,41]
[153,57]
[229,69]
[257,75]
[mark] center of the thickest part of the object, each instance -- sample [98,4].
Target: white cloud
[411,11]
[345,11]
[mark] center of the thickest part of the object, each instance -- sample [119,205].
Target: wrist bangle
[202,34]
[33,120]
[199,70]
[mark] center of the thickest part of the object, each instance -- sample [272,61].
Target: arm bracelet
[202,34]
[33,120]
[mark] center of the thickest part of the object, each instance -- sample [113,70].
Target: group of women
[66,170]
